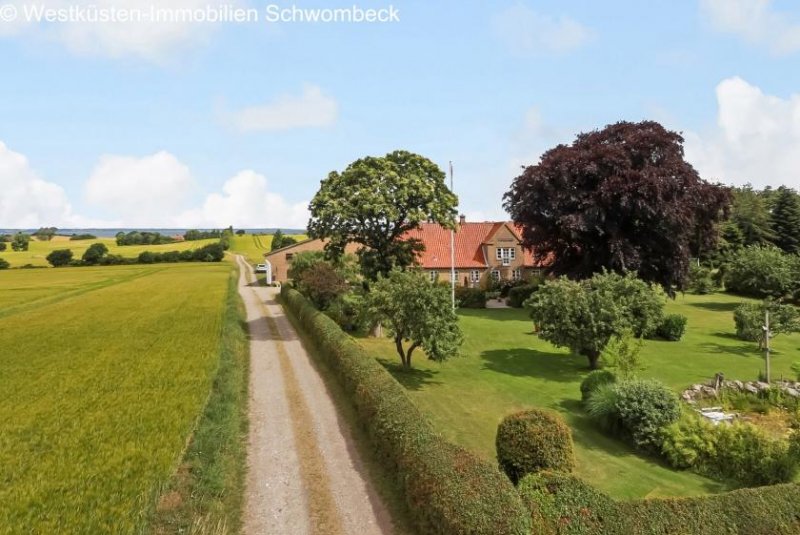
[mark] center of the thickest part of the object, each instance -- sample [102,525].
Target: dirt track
[304,474]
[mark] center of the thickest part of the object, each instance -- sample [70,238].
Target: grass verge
[205,496]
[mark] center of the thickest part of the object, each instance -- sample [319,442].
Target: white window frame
[496,275]
[475,276]
[434,275]
[516,274]
[506,255]
[454,276]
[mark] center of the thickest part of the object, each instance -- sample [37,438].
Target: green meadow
[103,375]
[504,367]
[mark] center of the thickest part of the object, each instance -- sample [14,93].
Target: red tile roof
[469,241]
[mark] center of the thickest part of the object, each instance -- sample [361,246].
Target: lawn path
[304,475]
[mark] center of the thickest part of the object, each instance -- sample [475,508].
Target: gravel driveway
[304,473]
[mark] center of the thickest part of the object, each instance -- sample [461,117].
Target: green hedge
[563,504]
[448,490]
[534,440]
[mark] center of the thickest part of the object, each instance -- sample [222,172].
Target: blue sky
[147,124]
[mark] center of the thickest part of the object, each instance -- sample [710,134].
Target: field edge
[205,495]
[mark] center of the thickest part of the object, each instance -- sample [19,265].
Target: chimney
[462,219]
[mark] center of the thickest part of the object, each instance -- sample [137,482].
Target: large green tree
[20,242]
[416,314]
[750,214]
[786,219]
[374,202]
[585,315]
[622,198]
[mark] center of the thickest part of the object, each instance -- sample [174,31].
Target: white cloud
[28,201]
[756,139]
[148,192]
[177,29]
[756,22]
[524,31]
[140,191]
[246,201]
[311,109]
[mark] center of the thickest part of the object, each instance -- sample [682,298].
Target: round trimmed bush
[594,380]
[534,440]
[672,327]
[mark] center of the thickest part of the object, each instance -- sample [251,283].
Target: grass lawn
[37,252]
[505,368]
[103,375]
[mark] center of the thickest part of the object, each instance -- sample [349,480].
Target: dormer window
[506,255]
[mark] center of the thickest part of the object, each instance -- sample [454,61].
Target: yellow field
[254,246]
[38,250]
[103,374]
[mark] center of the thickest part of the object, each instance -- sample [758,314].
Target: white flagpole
[452,252]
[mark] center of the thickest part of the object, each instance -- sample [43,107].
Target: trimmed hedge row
[563,504]
[448,490]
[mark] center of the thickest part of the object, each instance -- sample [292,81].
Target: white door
[269,273]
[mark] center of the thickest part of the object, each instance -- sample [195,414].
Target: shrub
[213,252]
[741,452]
[519,294]
[644,407]
[348,311]
[760,272]
[470,297]
[601,406]
[59,257]
[95,253]
[701,280]
[321,284]
[531,441]
[80,237]
[672,327]
[448,490]
[623,353]
[3,245]
[4,264]
[594,380]
[146,257]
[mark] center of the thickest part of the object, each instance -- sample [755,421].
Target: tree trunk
[398,344]
[594,358]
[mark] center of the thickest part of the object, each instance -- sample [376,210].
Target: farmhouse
[484,251]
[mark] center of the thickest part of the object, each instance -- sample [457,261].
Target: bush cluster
[135,237]
[563,504]
[4,264]
[532,441]
[742,452]
[470,297]
[672,327]
[701,280]
[448,490]
[519,294]
[635,409]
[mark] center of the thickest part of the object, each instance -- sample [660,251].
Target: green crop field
[254,246]
[505,368]
[38,250]
[103,375]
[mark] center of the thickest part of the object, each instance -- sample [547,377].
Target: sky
[183,122]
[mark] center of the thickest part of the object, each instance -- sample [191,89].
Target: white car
[261,268]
